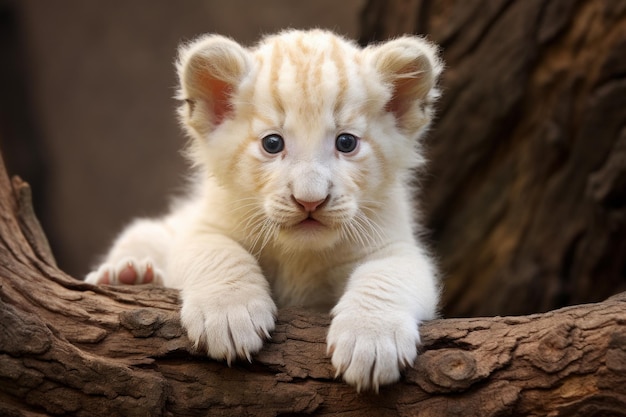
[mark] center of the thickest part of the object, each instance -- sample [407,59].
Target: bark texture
[525,193]
[69,348]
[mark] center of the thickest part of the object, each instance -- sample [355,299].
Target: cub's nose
[310,206]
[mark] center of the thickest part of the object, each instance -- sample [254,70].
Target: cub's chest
[311,282]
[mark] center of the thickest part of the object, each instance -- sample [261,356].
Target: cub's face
[315,153]
[308,141]
[310,186]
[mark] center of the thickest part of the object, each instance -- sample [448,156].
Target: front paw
[127,271]
[370,349]
[228,324]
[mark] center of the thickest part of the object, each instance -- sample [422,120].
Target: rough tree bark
[523,95]
[525,193]
[69,348]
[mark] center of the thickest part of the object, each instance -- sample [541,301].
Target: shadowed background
[525,196]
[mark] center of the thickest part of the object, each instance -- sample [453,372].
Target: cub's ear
[210,70]
[409,67]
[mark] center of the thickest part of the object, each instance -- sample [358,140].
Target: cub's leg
[227,308]
[374,332]
[137,256]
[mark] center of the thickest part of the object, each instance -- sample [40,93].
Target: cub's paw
[370,350]
[228,324]
[128,271]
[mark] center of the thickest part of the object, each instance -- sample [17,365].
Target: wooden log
[69,348]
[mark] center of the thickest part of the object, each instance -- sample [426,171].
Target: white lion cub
[304,147]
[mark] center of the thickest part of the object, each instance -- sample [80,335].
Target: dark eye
[346,143]
[273,143]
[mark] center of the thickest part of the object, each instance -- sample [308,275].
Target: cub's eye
[346,142]
[273,143]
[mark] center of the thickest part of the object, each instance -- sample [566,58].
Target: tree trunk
[67,347]
[525,193]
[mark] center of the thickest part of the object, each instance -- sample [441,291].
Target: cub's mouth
[310,232]
[310,222]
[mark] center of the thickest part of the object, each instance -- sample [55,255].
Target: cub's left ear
[410,67]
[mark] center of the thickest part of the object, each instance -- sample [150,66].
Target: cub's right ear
[409,66]
[210,70]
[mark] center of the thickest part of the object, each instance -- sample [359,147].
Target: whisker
[270,229]
[354,231]
[363,231]
[257,232]
[378,233]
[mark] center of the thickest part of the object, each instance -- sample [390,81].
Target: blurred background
[524,201]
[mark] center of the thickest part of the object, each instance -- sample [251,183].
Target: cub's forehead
[310,56]
[307,42]
[310,73]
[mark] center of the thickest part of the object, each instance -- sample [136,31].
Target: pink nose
[309,205]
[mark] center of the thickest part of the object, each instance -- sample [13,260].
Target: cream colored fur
[240,243]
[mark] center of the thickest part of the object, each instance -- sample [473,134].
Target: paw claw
[228,330]
[148,276]
[369,352]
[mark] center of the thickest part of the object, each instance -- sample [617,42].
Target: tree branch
[67,347]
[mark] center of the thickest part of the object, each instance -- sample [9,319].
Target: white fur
[236,245]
